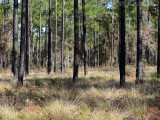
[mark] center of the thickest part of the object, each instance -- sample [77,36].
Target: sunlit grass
[95,97]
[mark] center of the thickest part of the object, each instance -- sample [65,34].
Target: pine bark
[129,44]
[31,35]
[98,51]
[139,71]
[84,39]
[147,26]
[105,48]
[15,40]
[22,44]
[158,51]
[112,43]
[37,49]
[76,42]
[27,43]
[95,49]
[5,35]
[62,46]
[45,44]
[55,59]
[50,38]
[122,51]
[39,65]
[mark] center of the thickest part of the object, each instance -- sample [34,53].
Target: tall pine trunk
[27,43]
[39,65]
[5,34]
[50,38]
[45,44]
[31,35]
[158,51]
[112,43]
[139,71]
[105,48]
[129,43]
[22,44]
[76,42]
[55,59]
[62,47]
[98,51]
[122,51]
[84,39]
[134,43]
[95,49]
[15,41]
[147,26]
[37,50]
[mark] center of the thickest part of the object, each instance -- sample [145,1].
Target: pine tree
[50,38]
[139,71]
[76,42]
[22,44]
[15,40]
[122,52]
[84,39]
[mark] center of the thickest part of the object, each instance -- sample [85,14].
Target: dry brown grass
[95,97]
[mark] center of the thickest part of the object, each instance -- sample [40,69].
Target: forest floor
[95,97]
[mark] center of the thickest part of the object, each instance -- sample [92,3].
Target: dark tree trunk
[55,59]
[50,38]
[122,51]
[112,43]
[158,51]
[98,51]
[5,34]
[22,44]
[139,71]
[89,57]
[95,49]
[37,49]
[118,44]
[84,39]
[147,26]
[27,43]
[39,65]
[105,48]
[31,35]
[15,40]
[62,49]
[129,44]
[134,44]
[82,44]
[76,42]
[45,44]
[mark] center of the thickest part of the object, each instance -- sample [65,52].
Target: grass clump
[95,97]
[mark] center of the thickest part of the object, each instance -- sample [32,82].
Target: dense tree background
[99,32]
